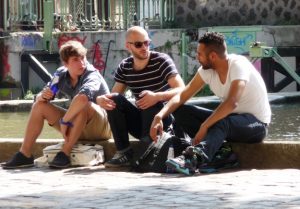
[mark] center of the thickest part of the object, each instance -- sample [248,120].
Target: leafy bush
[29,95]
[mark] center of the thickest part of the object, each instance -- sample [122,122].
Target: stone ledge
[266,155]
[269,154]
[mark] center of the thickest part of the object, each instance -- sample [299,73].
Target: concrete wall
[203,13]
[162,40]
[166,40]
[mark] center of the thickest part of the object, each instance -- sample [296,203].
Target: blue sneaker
[185,163]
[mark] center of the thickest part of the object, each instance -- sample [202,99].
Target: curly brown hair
[214,41]
[70,49]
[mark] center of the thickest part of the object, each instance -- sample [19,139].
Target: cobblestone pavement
[98,188]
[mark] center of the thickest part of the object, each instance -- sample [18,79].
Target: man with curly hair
[242,116]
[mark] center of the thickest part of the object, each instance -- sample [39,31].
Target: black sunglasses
[139,44]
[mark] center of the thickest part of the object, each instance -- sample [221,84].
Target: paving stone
[97,188]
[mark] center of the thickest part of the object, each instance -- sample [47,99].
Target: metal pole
[183,58]
[162,13]
[5,18]
[48,24]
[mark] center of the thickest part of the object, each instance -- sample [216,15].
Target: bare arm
[191,89]
[149,98]
[225,108]
[176,83]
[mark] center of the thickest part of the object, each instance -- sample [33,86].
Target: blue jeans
[243,128]
[126,119]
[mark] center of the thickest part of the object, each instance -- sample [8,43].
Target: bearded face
[203,57]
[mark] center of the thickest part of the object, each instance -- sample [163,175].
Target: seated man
[153,79]
[80,81]
[242,116]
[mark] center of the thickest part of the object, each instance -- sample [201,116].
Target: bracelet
[69,124]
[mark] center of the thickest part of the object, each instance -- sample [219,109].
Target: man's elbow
[233,103]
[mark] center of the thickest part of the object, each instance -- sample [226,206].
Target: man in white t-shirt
[242,116]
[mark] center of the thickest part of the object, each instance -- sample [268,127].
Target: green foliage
[204,92]
[168,45]
[29,95]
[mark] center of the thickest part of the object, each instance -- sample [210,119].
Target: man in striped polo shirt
[153,79]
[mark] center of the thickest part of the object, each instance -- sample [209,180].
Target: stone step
[266,155]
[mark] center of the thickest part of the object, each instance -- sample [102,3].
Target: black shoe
[225,158]
[19,161]
[186,163]
[61,160]
[120,159]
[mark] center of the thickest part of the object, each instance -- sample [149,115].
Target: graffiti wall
[107,49]
[4,62]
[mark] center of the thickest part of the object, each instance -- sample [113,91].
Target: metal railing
[88,15]
[23,15]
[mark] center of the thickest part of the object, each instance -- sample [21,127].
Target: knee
[180,112]
[120,102]
[118,98]
[40,107]
[221,124]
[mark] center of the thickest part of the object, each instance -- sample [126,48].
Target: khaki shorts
[98,127]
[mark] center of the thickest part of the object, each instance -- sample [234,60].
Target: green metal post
[162,13]
[288,69]
[103,14]
[183,57]
[173,11]
[259,50]
[138,12]
[5,15]
[48,24]
[124,14]
[109,16]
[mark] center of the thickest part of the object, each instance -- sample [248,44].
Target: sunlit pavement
[95,187]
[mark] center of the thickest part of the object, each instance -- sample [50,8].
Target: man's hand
[147,99]
[106,102]
[157,127]
[45,95]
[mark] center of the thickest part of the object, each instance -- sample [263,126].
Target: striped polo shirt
[154,77]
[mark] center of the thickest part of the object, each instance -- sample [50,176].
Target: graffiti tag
[97,57]
[30,41]
[239,41]
[6,65]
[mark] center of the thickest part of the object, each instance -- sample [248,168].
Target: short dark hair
[72,48]
[214,41]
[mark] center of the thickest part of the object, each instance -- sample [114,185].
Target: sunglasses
[139,44]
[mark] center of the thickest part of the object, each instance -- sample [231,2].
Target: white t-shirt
[254,99]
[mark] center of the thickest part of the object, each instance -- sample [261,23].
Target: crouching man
[82,83]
